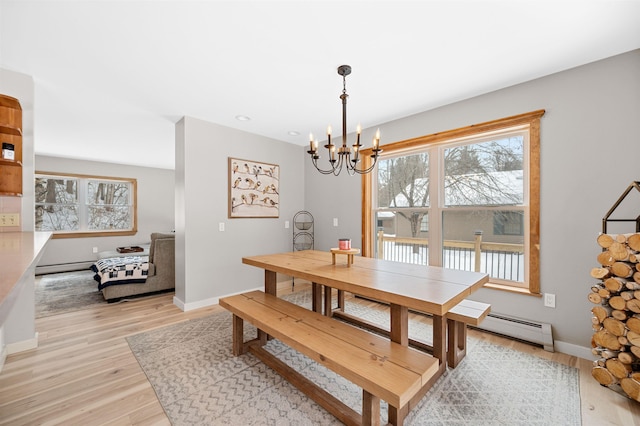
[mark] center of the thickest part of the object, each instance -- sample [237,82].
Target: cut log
[606,259]
[623,340]
[626,358]
[621,269]
[619,315]
[617,302]
[622,238]
[605,240]
[636,294]
[631,387]
[636,275]
[619,369]
[626,295]
[604,293]
[634,258]
[634,305]
[600,273]
[608,340]
[632,285]
[603,376]
[615,284]
[634,242]
[634,338]
[614,326]
[620,251]
[595,298]
[601,312]
[635,350]
[633,324]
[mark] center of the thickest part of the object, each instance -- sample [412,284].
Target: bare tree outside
[476,178]
[108,205]
[482,174]
[56,204]
[72,204]
[403,184]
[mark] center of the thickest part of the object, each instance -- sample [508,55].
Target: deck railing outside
[499,260]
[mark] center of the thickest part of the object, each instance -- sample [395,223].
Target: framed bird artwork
[254,189]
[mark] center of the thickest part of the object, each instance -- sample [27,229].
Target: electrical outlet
[221,226]
[550,300]
[95,249]
[335,221]
[9,219]
[286,224]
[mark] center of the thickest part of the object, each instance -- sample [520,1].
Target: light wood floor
[83,373]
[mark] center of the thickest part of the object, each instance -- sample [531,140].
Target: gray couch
[162,267]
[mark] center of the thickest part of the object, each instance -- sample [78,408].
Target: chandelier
[343,156]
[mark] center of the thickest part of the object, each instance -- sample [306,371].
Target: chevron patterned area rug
[199,381]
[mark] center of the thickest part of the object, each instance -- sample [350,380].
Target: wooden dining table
[425,289]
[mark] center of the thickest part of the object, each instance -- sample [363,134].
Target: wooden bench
[383,369]
[465,312]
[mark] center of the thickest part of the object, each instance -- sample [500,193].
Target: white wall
[589,143]
[212,260]
[156,200]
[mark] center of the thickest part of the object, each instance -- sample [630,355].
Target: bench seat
[466,312]
[383,369]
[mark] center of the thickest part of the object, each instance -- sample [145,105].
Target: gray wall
[212,260]
[589,143]
[156,200]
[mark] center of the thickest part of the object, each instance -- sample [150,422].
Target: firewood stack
[616,314]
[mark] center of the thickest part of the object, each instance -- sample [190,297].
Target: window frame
[529,121]
[82,186]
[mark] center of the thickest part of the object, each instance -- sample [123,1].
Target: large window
[81,206]
[465,199]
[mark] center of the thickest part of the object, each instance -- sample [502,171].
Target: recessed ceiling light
[294,133]
[242,118]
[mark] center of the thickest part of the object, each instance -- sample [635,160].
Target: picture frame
[254,189]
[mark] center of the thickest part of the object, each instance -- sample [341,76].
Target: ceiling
[112,78]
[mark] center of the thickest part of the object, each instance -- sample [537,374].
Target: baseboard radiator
[64,267]
[525,330]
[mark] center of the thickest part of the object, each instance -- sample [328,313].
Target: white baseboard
[3,357]
[24,345]
[205,302]
[574,350]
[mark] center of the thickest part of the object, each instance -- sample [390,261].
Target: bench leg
[238,335]
[457,342]
[370,409]
[396,415]
[341,300]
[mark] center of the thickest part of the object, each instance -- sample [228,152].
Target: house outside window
[466,199]
[82,205]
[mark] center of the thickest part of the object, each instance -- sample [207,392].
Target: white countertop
[19,251]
